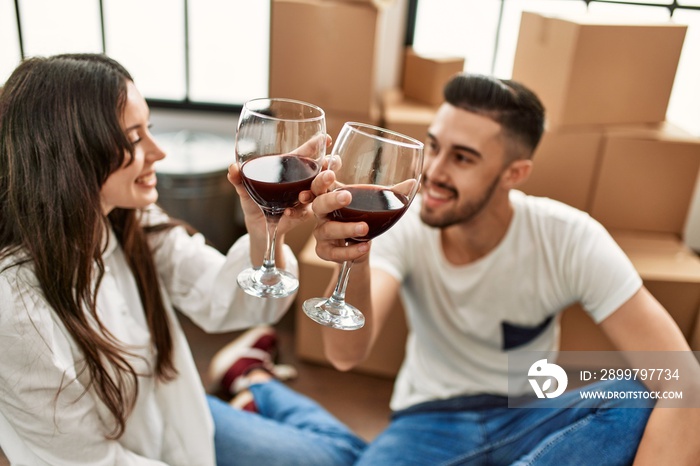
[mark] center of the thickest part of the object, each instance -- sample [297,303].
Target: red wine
[379,207]
[274,182]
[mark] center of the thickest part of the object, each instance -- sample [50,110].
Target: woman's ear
[516,173]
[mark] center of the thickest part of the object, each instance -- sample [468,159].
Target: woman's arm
[201,282]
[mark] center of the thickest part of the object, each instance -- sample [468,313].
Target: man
[483,271]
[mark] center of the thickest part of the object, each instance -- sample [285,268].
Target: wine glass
[280,146]
[382,171]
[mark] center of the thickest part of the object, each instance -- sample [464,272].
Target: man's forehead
[456,126]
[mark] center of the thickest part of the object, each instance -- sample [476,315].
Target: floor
[359,400]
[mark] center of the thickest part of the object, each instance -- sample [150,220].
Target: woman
[95,368]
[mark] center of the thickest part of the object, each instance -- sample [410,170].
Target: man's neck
[465,243]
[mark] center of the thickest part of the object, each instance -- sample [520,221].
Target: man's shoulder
[545,208]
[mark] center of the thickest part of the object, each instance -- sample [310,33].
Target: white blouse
[170,423]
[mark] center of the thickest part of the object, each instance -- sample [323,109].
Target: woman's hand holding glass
[280,148]
[255,222]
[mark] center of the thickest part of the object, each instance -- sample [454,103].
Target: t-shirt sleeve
[602,276]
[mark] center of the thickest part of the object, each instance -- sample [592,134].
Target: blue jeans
[290,429]
[482,430]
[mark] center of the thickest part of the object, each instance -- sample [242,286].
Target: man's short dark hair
[516,108]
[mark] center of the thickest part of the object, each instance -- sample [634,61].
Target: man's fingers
[327,203]
[339,231]
[341,253]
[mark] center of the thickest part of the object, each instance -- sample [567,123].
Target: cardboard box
[299,236]
[424,77]
[406,116]
[646,180]
[670,271]
[565,166]
[598,73]
[695,340]
[335,54]
[314,277]
[336,119]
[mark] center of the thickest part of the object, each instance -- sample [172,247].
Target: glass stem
[337,299]
[271,221]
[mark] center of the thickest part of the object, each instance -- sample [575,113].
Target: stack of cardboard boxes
[607,150]
[410,109]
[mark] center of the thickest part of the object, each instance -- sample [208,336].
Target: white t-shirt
[464,320]
[170,423]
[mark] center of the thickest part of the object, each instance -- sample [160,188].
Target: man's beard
[464,214]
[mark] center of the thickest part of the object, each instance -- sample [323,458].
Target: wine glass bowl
[280,145]
[381,169]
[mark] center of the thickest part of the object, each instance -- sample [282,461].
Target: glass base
[272,283]
[332,313]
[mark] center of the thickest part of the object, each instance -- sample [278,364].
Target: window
[467,28]
[9,52]
[190,53]
[148,38]
[237,70]
[685,98]
[77,31]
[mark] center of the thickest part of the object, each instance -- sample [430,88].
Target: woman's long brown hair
[60,138]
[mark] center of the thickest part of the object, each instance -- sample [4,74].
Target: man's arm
[642,324]
[373,292]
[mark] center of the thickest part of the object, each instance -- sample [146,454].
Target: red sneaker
[244,401]
[257,348]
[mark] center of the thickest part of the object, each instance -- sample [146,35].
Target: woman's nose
[155,152]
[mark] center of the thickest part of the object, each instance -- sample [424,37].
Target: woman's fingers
[234,177]
[322,183]
[314,146]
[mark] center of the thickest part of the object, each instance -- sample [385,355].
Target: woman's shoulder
[19,287]
[16,267]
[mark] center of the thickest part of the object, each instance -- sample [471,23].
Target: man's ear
[516,173]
